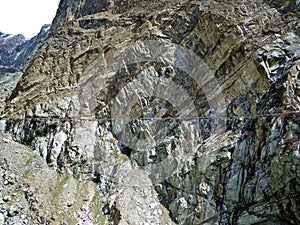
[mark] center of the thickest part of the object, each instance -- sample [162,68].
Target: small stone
[2,126]
[11,178]
[6,140]
[13,211]
[3,209]
[25,189]
[69,204]
[2,219]
[5,182]
[6,198]
[106,210]
[203,189]
[53,218]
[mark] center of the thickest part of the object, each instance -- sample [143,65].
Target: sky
[26,16]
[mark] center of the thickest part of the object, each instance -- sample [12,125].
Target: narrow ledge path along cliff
[156,112]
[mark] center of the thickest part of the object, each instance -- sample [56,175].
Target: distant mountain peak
[9,42]
[15,49]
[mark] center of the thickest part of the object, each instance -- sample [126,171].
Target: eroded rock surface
[182,112]
[31,193]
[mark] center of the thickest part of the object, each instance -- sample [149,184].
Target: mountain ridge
[15,49]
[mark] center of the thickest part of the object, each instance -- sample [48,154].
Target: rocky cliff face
[181,112]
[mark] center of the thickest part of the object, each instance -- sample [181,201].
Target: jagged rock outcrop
[187,106]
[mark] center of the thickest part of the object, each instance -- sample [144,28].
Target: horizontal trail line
[282,114]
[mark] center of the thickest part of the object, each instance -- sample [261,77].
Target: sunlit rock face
[180,112]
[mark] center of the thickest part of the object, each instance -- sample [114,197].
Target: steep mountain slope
[10,42]
[15,53]
[15,49]
[187,106]
[8,46]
